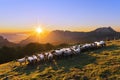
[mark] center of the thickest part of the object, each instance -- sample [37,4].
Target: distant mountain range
[59,36]
[5,42]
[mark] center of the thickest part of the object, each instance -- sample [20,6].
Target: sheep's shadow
[78,61]
[108,48]
[27,69]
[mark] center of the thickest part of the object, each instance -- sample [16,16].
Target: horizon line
[83,30]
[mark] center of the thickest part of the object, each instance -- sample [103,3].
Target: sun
[39,30]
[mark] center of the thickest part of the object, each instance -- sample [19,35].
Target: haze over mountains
[15,37]
[5,42]
[60,36]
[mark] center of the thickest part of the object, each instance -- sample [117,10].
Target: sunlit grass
[93,65]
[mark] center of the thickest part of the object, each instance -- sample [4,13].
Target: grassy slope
[94,65]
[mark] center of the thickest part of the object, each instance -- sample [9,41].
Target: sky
[75,15]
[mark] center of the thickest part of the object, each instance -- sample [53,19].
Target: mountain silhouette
[5,42]
[60,36]
[107,30]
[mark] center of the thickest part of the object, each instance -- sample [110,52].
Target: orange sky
[32,30]
[85,29]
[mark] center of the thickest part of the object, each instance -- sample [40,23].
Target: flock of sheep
[60,53]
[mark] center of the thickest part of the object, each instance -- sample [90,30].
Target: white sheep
[58,53]
[67,52]
[41,57]
[22,60]
[98,44]
[50,56]
[64,52]
[30,59]
[35,58]
[77,51]
[102,43]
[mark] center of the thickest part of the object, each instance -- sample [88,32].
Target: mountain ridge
[5,42]
[65,36]
[61,36]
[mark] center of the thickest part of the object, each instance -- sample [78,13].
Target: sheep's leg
[71,55]
[74,53]
[25,62]
[50,61]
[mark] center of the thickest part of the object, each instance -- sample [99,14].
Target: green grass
[100,64]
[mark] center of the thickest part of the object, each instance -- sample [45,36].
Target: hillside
[101,64]
[5,42]
[60,36]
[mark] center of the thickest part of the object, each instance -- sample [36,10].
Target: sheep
[77,51]
[50,57]
[90,46]
[73,51]
[57,53]
[102,43]
[93,46]
[98,44]
[38,57]
[54,53]
[85,47]
[78,46]
[35,58]
[82,48]
[41,57]
[30,60]
[67,52]
[74,47]
[46,54]
[22,60]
